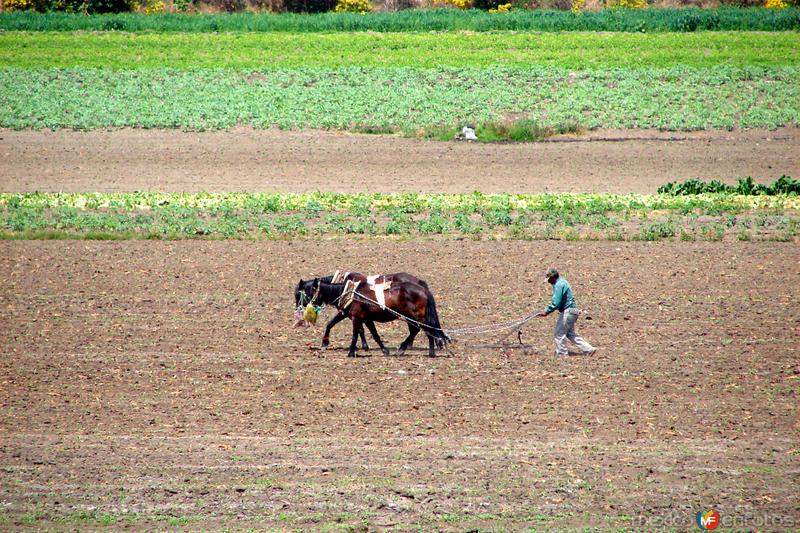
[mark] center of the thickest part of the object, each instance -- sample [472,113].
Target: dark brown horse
[407,300]
[304,291]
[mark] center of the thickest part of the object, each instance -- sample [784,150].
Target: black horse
[304,291]
[403,299]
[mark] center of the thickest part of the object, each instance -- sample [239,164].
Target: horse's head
[305,291]
[312,291]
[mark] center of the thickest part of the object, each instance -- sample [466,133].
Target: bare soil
[158,385]
[276,161]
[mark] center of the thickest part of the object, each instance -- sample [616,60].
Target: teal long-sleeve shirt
[562,297]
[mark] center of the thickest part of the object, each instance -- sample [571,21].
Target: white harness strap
[380,294]
[348,294]
[339,277]
[379,289]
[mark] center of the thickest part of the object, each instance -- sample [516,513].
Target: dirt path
[154,385]
[257,160]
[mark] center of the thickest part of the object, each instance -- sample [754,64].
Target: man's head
[551,275]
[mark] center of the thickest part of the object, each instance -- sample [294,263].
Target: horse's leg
[411,343]
[406,344]
[332,322]
[357,326]
[371,325]
[431,348]
[364,344]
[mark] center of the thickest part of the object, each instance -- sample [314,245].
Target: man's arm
[555,302]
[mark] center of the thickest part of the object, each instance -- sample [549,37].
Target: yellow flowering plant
[460,4]
[353,6]
[25,5]
[151,6]
[502,8]
[577,6]
[626,4]
[148,7]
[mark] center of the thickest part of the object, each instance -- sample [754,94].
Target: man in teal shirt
[564,301]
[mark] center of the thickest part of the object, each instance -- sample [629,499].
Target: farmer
[564,301]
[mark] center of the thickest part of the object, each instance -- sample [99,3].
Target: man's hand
[541,313]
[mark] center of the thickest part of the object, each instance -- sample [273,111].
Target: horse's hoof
[351,354]
[401,352]
[385,352]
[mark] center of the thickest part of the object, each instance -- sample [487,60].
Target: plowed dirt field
[274,161]
[152,385]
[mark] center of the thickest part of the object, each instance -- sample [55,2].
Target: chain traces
[467,330]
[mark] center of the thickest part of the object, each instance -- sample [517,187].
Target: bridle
[316,294]
[304,299]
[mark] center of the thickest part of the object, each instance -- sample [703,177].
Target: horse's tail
[434,326]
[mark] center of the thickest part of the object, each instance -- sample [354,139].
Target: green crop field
[260,51]
[399,99]
[415,83]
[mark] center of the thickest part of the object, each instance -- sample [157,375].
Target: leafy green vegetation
[403,99]
[650,20]
[745,186]
[415,84]
[181,204]
[275,51]
[279,216]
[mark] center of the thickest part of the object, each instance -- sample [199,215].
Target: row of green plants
[412,101]
[275,51]
[744,186]
[175,222]
[371,204]
[622,20]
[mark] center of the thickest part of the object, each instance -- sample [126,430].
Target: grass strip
[407,215]
[407,100]
[274,51]
[412,20]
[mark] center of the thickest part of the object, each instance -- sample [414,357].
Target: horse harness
[339,277]
[351,288]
